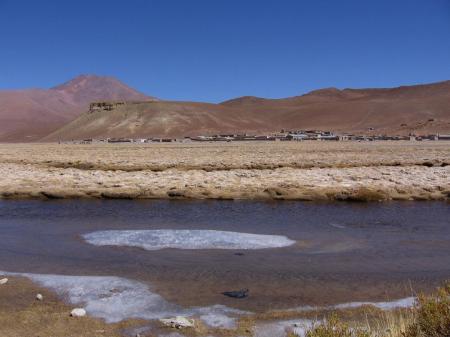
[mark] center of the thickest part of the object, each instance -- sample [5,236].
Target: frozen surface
[218,316]
[401,303]
[406,302]
[186,239]
[172,334]
[115,299]
[281,328]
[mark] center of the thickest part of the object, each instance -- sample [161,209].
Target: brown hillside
[27,115]
[420,109]
[158,119]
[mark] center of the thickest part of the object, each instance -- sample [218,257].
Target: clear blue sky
[211,50]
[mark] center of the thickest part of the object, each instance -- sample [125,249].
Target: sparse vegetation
[316,171]
[430,318]
[333,327]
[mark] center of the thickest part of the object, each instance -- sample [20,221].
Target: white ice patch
[401,303]
[281,328]
[172,334]
[406,302]
[115,299]
[217,316]
[186,239]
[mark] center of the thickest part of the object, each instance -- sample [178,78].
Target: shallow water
[344,252]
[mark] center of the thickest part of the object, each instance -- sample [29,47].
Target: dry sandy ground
[255,170]
[21,315]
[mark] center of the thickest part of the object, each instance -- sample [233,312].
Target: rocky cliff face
[104,106]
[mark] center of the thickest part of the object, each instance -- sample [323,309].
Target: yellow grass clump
[429,318]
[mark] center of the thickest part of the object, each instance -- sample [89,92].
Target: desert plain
[309,170]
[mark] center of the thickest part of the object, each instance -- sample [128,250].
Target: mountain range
[30,114]
[63,113]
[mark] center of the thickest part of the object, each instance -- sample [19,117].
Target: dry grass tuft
[333,327]
[363,194]
[430,318]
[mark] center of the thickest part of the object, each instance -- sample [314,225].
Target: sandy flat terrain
[22,315]
[253,170]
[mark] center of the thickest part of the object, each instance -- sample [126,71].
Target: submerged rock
[3,281]
[178,322]
[78,312]
[243,293]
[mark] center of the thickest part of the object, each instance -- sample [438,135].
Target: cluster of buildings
[295,135]
[385,137]
[282,136]
[300,135]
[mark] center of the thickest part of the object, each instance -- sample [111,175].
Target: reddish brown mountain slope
[421,109]
[27,115]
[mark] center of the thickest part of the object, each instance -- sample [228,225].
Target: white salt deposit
[186,239]
[115,299]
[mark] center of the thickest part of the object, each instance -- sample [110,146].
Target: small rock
[39,297]
[178,322]
[243,293]
[78,312]
[3,281]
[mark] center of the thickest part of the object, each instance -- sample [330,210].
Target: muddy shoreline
[21,314]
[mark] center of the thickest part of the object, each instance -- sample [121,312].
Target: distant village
[283,135]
